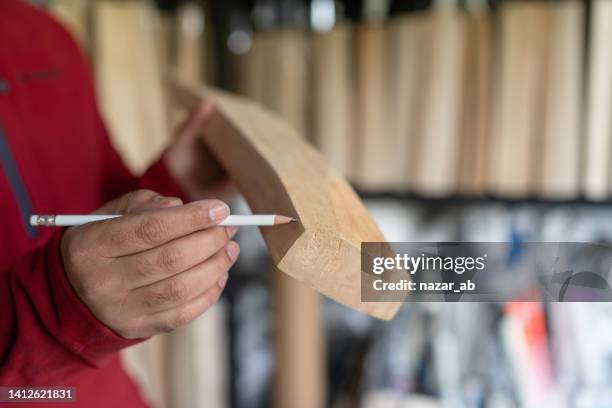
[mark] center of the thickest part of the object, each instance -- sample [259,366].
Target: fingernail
[232,249]
[159,198]
[219,212]
[231,231]
[222,282]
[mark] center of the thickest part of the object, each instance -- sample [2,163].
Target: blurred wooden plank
[599,104]
[74,15]
[564,91]
[129,77]
[407,76]
[370,165]
[333,97]
[477,110]
[517,139]
[190,43]
[198,360]
[440,128]
[147,365]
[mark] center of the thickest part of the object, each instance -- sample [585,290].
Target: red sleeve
[54,336]
[47,335]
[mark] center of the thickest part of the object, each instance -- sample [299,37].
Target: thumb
[138,201]
[191,127]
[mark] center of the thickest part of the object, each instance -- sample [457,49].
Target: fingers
[181,289]
[139,200]
[138,232]
[175,256]
[166,321]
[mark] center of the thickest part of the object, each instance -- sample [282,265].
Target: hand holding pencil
[154,268]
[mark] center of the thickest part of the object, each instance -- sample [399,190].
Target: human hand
[191,162]
[156,268]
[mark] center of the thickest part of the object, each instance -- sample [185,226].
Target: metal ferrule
[46,220]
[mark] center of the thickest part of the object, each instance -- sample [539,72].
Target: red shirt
[55,157]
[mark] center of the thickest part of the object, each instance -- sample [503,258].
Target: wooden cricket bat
[439,131]
[370,171]
[273,166]
[515,164]
[333,98]
[562,117]
[477,91]
[129,79]
[596,172]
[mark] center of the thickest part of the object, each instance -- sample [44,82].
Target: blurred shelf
[458,199]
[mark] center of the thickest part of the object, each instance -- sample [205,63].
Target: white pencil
[264,220]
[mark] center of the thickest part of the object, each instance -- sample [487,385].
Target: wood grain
[277,171]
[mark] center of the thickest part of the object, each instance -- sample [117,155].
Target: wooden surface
[277,172]
[440,130]
[370,167]
[408,70]
[73,14]
[476,104]
[596,161]
[197,374]
[333,97]
[129,78]
[561,143]
[516,158]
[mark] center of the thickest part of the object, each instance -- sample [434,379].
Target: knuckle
[118,237]
[181,318]
[170,257]
[172,292]
[151,230]
[177,290]
[146,267]
[199,214]
[141,194]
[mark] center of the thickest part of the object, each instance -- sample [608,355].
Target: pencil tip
[281,219]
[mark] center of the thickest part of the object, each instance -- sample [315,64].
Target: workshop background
[455,120]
